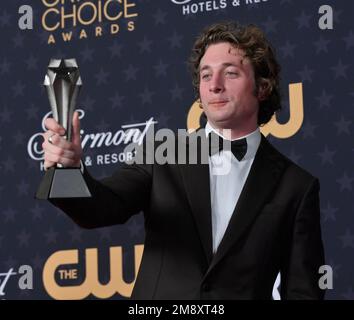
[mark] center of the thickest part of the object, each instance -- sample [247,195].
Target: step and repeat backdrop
[132,56]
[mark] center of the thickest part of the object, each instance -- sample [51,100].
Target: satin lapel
[261,181]
[197,185]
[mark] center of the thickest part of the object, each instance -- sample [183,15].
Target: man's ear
[264,89]
[200,104]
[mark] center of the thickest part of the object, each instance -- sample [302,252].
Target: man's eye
[206,76]
[231,73]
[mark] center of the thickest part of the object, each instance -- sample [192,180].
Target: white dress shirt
[225,189]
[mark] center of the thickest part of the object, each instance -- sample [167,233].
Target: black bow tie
[238,147]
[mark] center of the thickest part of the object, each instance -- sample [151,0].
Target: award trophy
[63,83]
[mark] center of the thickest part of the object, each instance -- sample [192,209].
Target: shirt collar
[253,140]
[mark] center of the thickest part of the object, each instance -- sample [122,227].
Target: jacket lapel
[261,181]
[197,185]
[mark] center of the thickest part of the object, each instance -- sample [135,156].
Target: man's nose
[216,84]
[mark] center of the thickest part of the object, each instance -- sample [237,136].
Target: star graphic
[327,156]
[145,45]
[18,40]
[18,88]
[308,130]
[347,239]
[101,77]
[9,164]
[9,214]
[303,21]
[288,50]
[38,262]
[31,63]
[146,96]
[22,188]
[329,213]
[176,92]
[116,100]
[116,49]
[32,112]
[163,120]
[23,238]
[345,182]
[37,211]
[305,74]
[270,25]
[159,17]
[5,18]
[349,40]
[5,115]
[324,99]
[161,69]
[87,54]
[321,45]
[337,14]
[130,73]
[343,125]
[51,236]
[340,70]
[175,40]
[76,234]
[5,66]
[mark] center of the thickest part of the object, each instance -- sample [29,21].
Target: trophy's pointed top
[63,63]
[66,69]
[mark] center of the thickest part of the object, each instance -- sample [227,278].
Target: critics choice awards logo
[68,20]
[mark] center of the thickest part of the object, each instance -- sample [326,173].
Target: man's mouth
[218,103]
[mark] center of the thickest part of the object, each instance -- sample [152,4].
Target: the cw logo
[278,130]
[91,284]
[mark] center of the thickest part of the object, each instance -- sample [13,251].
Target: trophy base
[63,183]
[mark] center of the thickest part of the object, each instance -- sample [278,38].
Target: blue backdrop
[132,62]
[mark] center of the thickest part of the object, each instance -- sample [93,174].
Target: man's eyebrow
[225,64]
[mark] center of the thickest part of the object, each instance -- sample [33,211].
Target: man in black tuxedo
[208,235]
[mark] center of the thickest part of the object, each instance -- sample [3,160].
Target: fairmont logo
[130,133]
[181,1]
[195,7]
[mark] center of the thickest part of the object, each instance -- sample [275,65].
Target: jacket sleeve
[114,199]
[300,271]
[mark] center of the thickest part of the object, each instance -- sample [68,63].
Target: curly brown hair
[252,41]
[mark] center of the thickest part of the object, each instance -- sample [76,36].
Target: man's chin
[222,122]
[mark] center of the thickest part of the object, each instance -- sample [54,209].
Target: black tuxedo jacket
[275,227]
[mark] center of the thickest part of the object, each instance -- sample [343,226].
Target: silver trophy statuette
[63,84]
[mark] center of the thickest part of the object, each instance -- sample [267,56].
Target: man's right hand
[57,149]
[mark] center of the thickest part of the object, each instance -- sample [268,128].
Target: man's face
[227,88]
